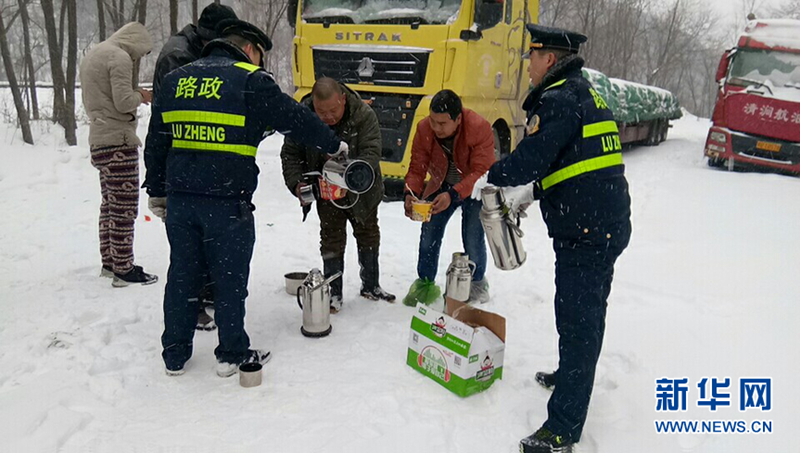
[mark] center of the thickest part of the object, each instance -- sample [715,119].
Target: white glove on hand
[518,198]
[482,182]
[342,152]
[158,206]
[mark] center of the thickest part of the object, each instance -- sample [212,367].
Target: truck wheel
[664,130]
[501,141]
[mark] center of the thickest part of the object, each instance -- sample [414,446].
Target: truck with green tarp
[642,112]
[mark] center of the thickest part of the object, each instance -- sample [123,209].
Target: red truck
[756,121]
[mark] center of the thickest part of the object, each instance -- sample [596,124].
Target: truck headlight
[719,137]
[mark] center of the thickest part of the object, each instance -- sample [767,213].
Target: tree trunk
[70,126]
[22,114]
[194,12]
[101,16]
[26,36]
[61,27]
[56,70]
[173,17]
[141,8]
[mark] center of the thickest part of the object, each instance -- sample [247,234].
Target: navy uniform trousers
[584,270]
[219,232]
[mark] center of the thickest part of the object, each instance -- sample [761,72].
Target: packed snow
[707,288]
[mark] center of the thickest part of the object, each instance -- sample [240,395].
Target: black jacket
[180,49]
[208,120]
[569,127]
[359,127]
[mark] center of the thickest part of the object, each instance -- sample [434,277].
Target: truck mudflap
[730,148]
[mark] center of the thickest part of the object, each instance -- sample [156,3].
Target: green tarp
[632,102]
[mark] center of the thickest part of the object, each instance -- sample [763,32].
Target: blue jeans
[430,240]
[216,235]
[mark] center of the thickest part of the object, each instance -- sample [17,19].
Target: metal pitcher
[502,230]
[459,277]
[355,175]
[314,298]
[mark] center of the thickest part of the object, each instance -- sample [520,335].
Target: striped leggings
[119,189]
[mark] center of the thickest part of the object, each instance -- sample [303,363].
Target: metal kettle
[459,277]
[314,298]
[355,175]
[501,226]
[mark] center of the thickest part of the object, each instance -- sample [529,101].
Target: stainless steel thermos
[459,277]
[314,298]
[501,226]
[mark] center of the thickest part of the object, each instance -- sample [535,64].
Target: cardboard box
[461,349]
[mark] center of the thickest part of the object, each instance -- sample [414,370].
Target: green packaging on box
[462,349]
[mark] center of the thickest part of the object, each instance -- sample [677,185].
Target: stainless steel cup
[250,375]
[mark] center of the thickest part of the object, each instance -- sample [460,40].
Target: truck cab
[398,53]
[756,120]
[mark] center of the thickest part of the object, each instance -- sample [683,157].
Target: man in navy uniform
[207,122]
[571,151]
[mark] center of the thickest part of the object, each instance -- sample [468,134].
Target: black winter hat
[212,15]
[247,31]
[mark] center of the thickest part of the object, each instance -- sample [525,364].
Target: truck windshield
[381,11]
[760,68]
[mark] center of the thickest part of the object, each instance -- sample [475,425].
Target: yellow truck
[398,53]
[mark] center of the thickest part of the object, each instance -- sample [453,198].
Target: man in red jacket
[455,146]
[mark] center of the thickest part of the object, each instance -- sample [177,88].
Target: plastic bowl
[294,280]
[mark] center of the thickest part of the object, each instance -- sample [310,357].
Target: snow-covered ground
[708,288]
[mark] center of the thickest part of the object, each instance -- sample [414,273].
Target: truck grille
[745,145]
[398,67]
[395,115]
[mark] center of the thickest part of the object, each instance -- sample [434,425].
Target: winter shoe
[336,304]
[377,293]
[175,372]
[205,322]
[225,369]
[546,380]
[370,277]
[422,291]
[479,291]
[135,276]
[106,271]
[543,441]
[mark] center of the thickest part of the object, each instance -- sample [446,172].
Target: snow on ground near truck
[707,288]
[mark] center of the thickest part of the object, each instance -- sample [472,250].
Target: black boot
[370,273]
[332,266]
[546,380]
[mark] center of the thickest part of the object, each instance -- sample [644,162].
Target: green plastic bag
[422,291]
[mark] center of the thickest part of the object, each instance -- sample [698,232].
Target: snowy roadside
[708,287]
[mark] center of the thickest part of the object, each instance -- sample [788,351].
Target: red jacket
[473,154]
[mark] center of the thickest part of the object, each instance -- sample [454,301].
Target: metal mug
[250,374]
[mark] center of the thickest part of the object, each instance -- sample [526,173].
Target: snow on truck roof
[784,33]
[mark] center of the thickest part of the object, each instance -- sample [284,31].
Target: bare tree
[790,9]
[22,113]
[70,126]
[63,102]
[101,19]
[28,57]
[173,17]
[194,12]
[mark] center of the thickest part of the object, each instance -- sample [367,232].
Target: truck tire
[502,141]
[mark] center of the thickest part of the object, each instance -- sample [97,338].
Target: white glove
[342,152]
[518,198]
[158,206]
[482,182]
